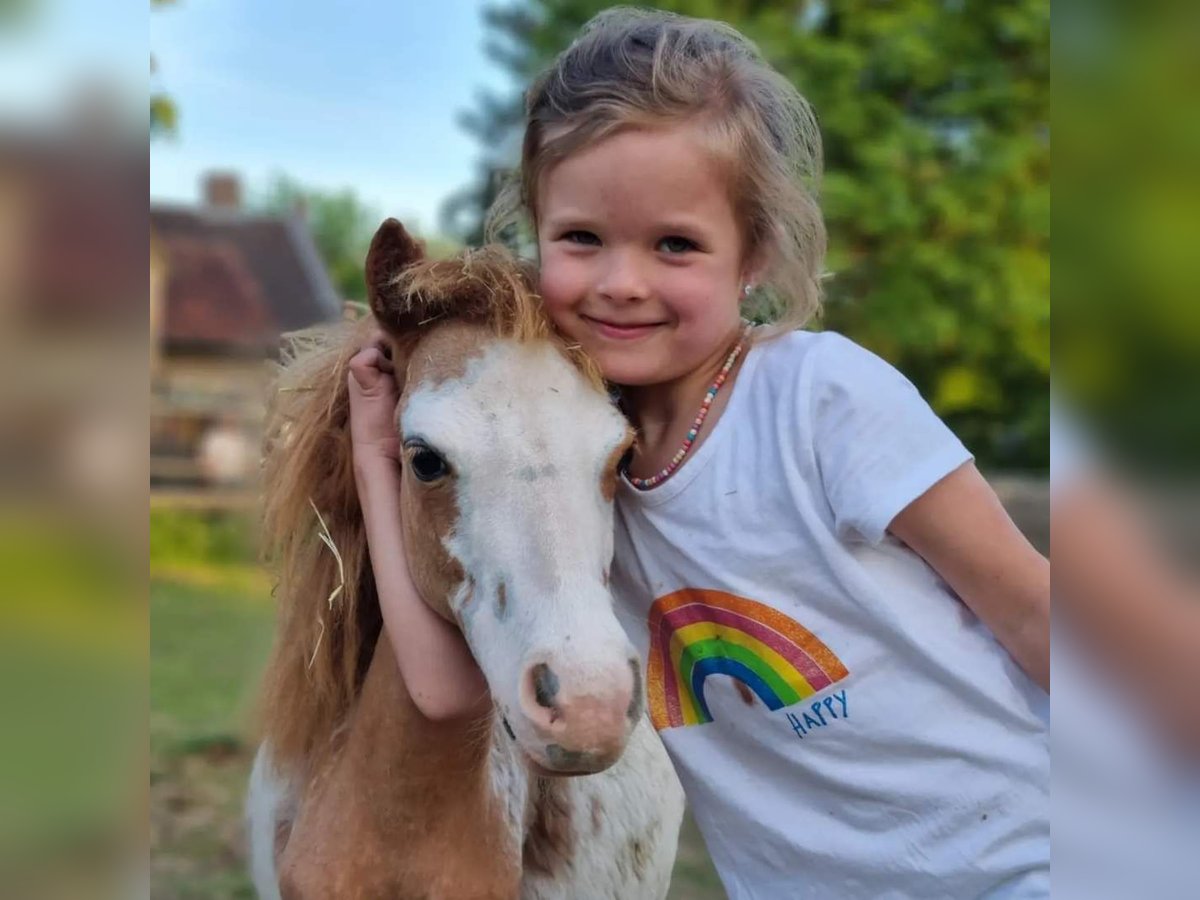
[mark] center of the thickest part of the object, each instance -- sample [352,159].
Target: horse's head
[509,465]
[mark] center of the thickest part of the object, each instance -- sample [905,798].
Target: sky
[360,94]
[364,95]
[58,43]
[356,94]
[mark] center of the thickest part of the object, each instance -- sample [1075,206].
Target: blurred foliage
[17,14]
[164,114]
[342,226]
[935,117]
[184,537]
[1127,328]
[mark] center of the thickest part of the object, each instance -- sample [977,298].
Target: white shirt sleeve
[877,443]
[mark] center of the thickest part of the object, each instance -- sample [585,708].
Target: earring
[746,289]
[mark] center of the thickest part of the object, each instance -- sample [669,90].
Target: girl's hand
[373,398]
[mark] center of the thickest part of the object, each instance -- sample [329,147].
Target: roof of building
[235,280]
[238,280]
[80,246]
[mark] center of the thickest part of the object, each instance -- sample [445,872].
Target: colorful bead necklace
[644,484]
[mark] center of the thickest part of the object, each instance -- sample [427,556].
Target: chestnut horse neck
[399,780]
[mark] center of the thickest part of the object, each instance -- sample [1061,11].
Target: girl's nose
[623,280]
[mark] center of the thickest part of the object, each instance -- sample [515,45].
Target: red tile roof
[213,297]
[235,280]
[238,279]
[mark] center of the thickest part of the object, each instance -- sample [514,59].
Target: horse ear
[393,250]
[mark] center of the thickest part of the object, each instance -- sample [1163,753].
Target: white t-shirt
[844,726]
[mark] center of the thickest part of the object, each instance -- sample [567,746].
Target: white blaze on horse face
[528,440]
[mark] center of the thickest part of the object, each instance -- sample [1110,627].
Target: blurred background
[281,133]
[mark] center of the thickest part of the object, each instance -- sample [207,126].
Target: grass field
[208,642]
[211,629]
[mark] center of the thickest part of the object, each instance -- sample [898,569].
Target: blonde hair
[633,68]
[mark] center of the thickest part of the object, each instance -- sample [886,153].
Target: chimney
[222,190]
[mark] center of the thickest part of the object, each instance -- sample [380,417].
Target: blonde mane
[328,609]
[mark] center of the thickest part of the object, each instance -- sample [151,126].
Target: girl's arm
[960,528]
[1129,604]
[437,666]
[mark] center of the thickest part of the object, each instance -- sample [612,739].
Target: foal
[509,467]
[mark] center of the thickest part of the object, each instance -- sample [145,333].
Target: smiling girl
[846,640]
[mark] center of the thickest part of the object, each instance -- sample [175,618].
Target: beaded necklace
[644,484]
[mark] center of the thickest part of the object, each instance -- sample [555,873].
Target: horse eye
[428,465]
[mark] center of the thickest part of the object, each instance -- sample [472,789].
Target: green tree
[1127,324]
[164,114]
[17,14]
[935,118]
[342,226]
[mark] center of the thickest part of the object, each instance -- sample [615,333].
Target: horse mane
[487,285]
[328,617]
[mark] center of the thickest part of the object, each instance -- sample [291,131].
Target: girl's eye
[676,244]
[581,237]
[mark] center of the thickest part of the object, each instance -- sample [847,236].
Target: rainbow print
[696,633]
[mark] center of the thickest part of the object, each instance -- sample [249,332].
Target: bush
[188,536]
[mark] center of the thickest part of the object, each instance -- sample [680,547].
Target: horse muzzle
[573,725]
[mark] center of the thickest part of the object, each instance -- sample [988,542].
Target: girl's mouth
[621,331]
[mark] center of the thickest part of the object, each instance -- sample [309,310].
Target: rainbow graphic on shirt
[696,633]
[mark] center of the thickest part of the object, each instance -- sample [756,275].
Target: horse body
[396,816]
[506,506]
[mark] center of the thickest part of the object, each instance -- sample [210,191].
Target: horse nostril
[545,685]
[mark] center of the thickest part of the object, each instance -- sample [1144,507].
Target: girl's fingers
[373,398]
[363,369]
[368,367]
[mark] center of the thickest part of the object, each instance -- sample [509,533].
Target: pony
[509,468]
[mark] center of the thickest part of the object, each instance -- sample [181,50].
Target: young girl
[846,639]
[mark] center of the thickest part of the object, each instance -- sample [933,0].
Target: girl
[846,639]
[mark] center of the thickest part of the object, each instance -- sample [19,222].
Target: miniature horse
[509,469]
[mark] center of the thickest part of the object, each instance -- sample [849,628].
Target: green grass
[693,877]
[72,676]
[211,630]
[208,643]
[207,650]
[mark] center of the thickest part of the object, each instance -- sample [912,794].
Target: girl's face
[642,257]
